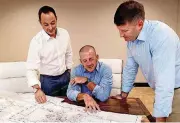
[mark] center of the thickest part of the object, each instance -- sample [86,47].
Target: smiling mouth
[51,31]
[90,67]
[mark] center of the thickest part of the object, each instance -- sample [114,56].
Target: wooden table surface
[132,106]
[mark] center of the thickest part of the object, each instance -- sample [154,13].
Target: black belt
[176,88]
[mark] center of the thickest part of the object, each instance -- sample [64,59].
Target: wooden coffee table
[132,106]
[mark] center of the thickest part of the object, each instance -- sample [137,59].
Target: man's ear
[140,23]
[97,56]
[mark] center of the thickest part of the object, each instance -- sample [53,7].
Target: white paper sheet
[20,108]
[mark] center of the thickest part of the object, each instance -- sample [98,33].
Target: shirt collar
[143,34]
[97,68]
[47,37]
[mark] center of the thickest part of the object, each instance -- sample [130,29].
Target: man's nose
[121,34]
[50,27]
[88,63]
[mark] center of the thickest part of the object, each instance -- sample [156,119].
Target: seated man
[90,79]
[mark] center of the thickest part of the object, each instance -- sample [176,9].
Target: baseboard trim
[140,84]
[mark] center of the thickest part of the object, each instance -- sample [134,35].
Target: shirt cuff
[126,89]
[33,82]
[74,95]
[95,90]
[68,66]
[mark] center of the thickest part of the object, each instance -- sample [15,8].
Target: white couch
[116,66]
[13,76]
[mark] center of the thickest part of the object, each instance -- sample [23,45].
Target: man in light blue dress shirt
[91,79]
[155,48]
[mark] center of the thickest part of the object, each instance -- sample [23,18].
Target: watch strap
[35,89]
[87,81]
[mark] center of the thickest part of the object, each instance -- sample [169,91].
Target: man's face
[49,23]
[130,31]
[89,60]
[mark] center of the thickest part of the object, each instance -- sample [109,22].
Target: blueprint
[22,108]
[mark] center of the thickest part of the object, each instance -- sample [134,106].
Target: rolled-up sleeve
[129,73]
[73,90]
[102,91]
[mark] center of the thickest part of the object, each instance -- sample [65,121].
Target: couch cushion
[12,69]
[15,85]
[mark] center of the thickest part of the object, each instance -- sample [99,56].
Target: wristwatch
[87,81]
[35,89]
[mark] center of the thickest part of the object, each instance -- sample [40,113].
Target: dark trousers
[55,85]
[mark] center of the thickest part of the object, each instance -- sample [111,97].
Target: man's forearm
[91,86]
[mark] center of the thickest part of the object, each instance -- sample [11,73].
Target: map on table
[22,108]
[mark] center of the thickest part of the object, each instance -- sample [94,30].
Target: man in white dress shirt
[50,55]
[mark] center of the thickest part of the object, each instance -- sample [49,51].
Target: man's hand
[78,80]
[69,70]
[123,95]
[90,103]
[40,96]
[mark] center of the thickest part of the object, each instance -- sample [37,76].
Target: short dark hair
[86,48]
[129,11]
[45,10]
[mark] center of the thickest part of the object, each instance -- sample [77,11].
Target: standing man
[155,48]
[90,79]
[50,55]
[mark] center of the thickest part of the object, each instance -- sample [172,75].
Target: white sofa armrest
[13,77]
